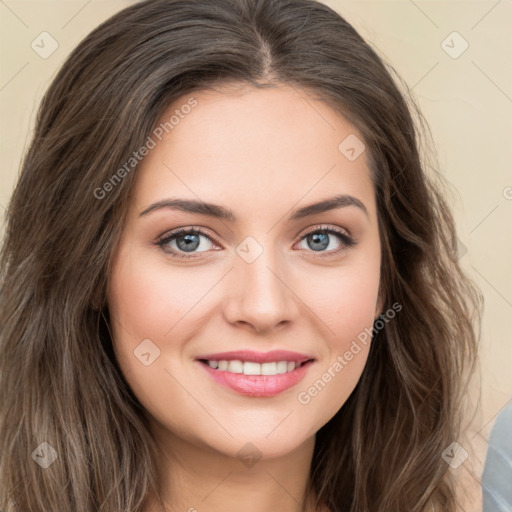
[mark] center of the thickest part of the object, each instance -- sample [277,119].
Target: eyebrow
[220,212]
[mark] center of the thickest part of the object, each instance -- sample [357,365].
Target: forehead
[253,145]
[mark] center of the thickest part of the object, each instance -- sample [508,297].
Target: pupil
[191,242]
[319,238]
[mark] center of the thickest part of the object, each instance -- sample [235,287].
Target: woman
[227,279]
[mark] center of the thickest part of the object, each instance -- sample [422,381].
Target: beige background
[467,101]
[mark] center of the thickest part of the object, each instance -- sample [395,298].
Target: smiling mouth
[253,368]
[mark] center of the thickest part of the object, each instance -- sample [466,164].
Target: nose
[261,296]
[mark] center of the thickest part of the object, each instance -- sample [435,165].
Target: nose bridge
[261,295]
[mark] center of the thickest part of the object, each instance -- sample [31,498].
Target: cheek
[348,339]
[145,305]
[354,306]
[344,300]
[345,305]
[147,300]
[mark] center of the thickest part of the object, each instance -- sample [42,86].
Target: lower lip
[258,385]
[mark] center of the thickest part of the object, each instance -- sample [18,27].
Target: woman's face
[270,287]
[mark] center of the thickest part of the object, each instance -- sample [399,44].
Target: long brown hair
[60,383]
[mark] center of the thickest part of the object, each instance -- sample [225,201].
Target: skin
[260,153]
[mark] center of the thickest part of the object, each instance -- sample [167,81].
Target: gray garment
[497,475]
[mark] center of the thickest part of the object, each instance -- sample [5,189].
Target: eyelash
[347,241]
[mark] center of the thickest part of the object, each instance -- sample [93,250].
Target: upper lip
[257,357]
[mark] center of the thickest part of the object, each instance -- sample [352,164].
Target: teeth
[282,367]
[251,368]
[269,368]
[236,366]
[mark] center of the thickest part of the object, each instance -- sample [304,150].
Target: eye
[185,241]
[324,237]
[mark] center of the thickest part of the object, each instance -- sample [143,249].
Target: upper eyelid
[325,227]
[187,230]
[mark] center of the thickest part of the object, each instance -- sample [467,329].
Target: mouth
[257,374]
[253,368]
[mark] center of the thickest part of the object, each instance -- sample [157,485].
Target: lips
[218,366]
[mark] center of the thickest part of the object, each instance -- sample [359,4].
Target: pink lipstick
[258,374]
